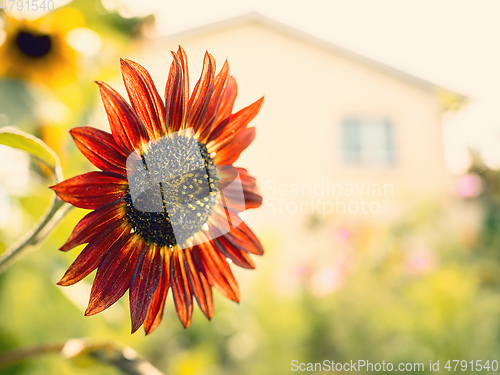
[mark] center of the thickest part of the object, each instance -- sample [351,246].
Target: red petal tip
[90,312]
[127,62]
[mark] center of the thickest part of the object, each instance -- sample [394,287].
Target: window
[367,141]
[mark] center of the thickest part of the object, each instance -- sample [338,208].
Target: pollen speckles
[173,189]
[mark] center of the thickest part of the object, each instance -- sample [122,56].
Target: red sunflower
[167,199]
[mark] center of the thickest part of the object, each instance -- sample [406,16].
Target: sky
[454,43]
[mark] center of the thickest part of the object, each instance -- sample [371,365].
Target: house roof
[448,98]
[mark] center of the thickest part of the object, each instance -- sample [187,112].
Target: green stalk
[54,214]
[125,359]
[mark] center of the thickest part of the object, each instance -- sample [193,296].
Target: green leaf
[34,146]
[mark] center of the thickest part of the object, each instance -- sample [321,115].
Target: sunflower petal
[100,148]
[227,130]
[253,199]
[94,223]
[144,98]
[231,200]
[92,190]
[200,286]
[231,151]
[144,283]
[185,71]
[240,235]
[228,99]
[224,219]
[202,93]
[227,222]
[115,273]
[230,196]
[92,254]
[127,130]
[227,174]
[181,290]
[175,97]
[243,238]
[155,311]
[203,129]
[216,269]
[239,257]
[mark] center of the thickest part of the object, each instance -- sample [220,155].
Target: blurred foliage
[488,246]
[384,311]
[105,21]
[48,95]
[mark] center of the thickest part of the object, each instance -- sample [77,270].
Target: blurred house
[339,136]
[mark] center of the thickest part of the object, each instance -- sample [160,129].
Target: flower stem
[125,359]
[54,214]
[17,355]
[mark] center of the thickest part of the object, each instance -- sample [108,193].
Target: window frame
[359,144]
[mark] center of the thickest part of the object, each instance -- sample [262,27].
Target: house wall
[296,155]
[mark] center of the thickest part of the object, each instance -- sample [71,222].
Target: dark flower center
[173,188]
[32,44]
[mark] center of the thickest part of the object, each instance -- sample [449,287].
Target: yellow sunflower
[37,50]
